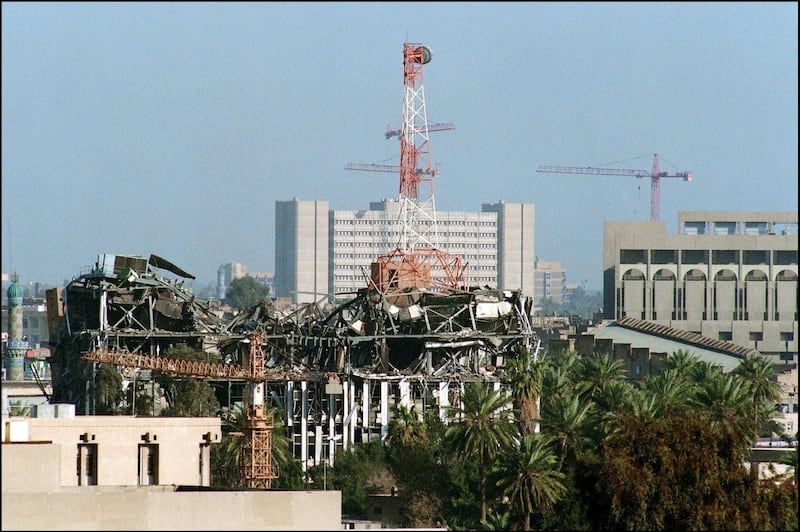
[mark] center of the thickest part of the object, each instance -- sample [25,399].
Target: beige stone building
[727,275]
[134,473]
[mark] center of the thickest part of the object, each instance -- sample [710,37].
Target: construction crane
[385,168]
[255,453]
[655,176]
[431,127]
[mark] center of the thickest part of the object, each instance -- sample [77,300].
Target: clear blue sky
[173,128]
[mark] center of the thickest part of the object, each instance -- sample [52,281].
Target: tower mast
[418,209]
[417,262]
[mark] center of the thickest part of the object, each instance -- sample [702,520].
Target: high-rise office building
[301,250]
[496,245]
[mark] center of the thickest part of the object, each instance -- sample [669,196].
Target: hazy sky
[174,128]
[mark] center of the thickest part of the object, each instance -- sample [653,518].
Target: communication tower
[416,262]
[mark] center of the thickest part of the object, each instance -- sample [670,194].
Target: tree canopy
[245,292]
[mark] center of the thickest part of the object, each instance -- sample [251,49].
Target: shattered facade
[335,372]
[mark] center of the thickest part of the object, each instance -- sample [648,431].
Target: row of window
[635,274]
[740,228]
[778,257]
[343,234]
[442,222]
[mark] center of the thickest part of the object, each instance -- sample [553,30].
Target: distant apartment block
[727,275]
[322,252]
[301,250]
[550,281]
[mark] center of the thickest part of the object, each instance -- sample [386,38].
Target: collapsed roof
[127,305]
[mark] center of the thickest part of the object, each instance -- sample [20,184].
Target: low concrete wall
[162,508]
[34,499]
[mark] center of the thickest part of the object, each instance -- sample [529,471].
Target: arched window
[725,275]
[756,275]
[694,275]
[634,274]
[664,275]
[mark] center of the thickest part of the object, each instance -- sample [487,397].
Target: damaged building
[335,372]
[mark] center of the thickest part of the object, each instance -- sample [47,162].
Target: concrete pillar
[304,425]
[384,409]
[444,400]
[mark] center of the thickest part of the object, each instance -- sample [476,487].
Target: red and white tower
[417,262]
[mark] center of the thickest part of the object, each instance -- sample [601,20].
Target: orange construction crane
[255,458]
[655,178]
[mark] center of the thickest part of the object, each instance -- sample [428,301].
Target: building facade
[550,281]
[301,250]
[136,473]
[515,245]
[727,275]
[496,246]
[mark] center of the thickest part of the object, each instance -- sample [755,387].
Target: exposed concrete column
[365,402]
[352,415]
[289,404]
[444,399]
[304,425]
[319,443]
[384,409]
[345,411]
[331,427]
[405,393]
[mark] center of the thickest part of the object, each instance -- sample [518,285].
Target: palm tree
[18,408]
[496,521]
[406,428]
[560,374]
[760,376]
[727,400]
[525,374]
[483,428]
[671,389]
[597,370]
[530,477]
[564,420]
[682,361]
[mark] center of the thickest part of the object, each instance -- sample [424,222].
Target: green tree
[107,392]
[525,375]
[530,477]
[670,388]
[357,473]
[682,361]
[483,427]
[245,293]
[760,375]
[564,419]
[187,396]
[406,429]
[18,408]
[676,472]
[597,370]
[226,456]
[726,398]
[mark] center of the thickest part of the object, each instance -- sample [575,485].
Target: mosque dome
[16,291]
